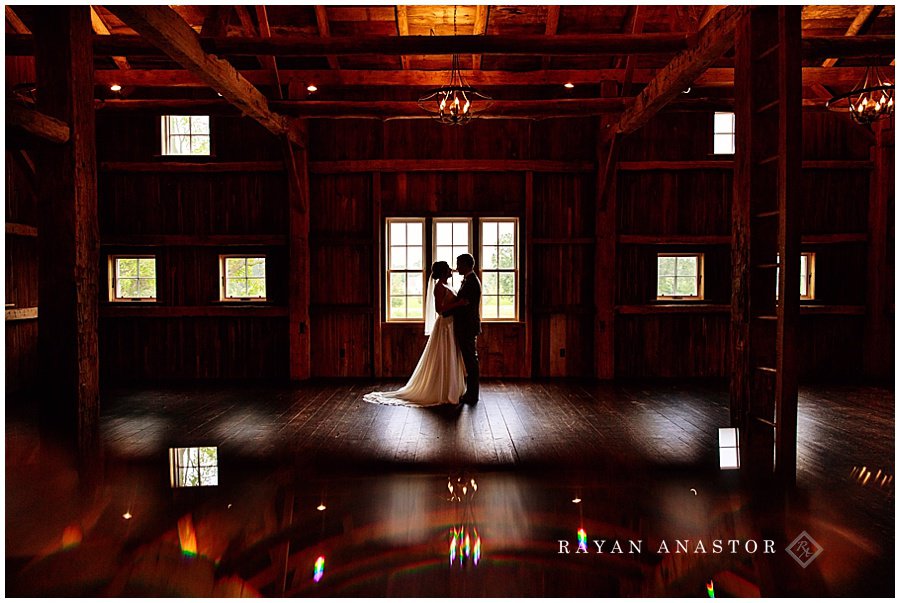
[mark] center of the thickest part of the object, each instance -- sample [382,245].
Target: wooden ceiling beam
[712,42]
[101,29]
[36,123]
[711,11]
[717,77]
[860,25]
[15,22]
[166,29]
[482,13]
[215,25]
[325,32]
[533,45]
[403,30]
[269,62]
[637,24]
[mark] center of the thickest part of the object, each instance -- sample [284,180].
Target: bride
[440,376]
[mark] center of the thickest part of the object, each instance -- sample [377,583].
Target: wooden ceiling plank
[168,31]
[860,25]
[15,22]
[712,42]
[403,30]
[101,29]
[482,13]
[325,32]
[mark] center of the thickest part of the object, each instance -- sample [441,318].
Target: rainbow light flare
[582,540]
[454,537]
[187,537]
[476,552]
[710,590]
[319,569]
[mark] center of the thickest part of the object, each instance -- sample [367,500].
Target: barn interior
[219,227]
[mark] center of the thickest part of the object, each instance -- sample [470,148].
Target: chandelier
[869,101]
[454,103]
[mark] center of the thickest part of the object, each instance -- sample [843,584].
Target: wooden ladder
[766,242]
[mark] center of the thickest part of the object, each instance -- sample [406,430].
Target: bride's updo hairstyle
[439,270]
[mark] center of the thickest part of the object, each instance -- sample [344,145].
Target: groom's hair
[466,260]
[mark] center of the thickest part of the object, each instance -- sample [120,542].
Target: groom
[467,324]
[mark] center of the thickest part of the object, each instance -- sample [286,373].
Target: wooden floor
[517,423]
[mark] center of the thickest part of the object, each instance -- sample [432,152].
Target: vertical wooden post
[298,256]
[605,252]
[529,273]
[378,270]
[879,345]
[68,246]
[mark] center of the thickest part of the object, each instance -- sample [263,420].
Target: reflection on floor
[321,494]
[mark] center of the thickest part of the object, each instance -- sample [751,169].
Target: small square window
[243,278]
[679,276]
[191,467]
[807,275]
[723,134]
[185,135]
[729,448]
[132,278]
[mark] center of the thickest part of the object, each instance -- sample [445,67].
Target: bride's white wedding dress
[440,375]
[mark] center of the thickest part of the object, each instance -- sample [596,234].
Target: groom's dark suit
[467,327]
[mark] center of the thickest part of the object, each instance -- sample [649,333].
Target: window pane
[414,284]
[414,307]
[127,287]
[685,286]
[180,145]
[489,233]
[665,266]
[490,283]
[398,258]
[256,287]
[146,267]
[444,233]
[507,258]
[665,285]
[414,233]
[126,267]
[398,283]
[507,306]
[209,476]
[489,257]
[236,288]
[414,258]
[723,144]
[723,123]
[507,233]
[489,307]
[461,234]
[256,266]
[179,124]
[398,233]
[445,254]
[200,124]
[235,267]
[685,266]
[200,145]
[398,307]
[507,284]
[148,287]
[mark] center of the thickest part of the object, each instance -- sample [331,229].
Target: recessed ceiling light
[576,500]
[568,85]
[126,515]
[321,507]
[311,88]
[115,87]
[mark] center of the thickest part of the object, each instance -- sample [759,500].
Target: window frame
[517,298]
[810,274]
[732,133]
[223,278]
[113,278]
[700,276]
[388,271]
[164,135]
[434,243]
[175,467]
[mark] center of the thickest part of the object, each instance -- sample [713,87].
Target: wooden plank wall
[684,208]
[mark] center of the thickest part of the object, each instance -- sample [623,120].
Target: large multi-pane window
[723,134]
[243,277]
[406,268]
[679,276]
[452,238]
[185,134]
[133,278]
[499,268]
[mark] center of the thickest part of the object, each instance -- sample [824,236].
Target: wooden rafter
[637,24]
[36,123]
[403,30]
[166,29]
[860,25]
[215,24]
[269,62]
[101,29]
[15,22]
[550,29]
[711,11]
[325,32]
[482,12]
[712,42]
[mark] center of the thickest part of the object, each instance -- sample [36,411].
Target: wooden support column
[69,242]
[298,255]
[765,302]
[529,274]
[378,270]
[879,343]
[605,252]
